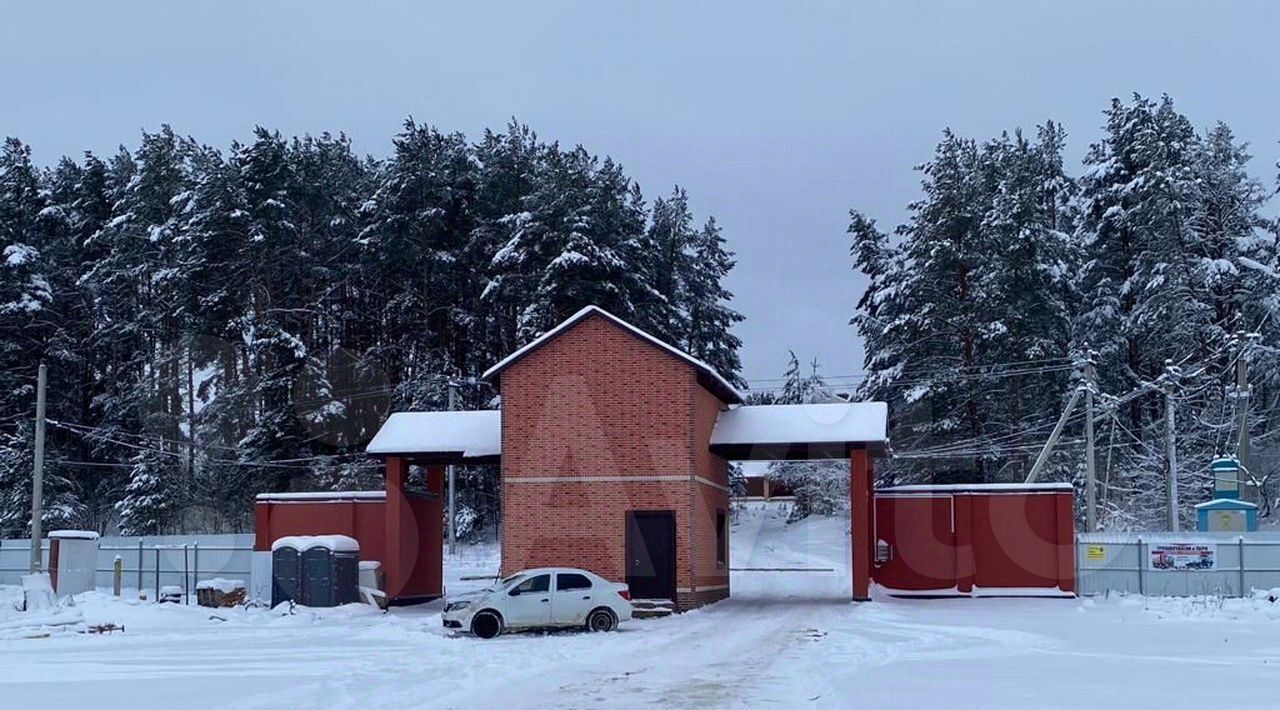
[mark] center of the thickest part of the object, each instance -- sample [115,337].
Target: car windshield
[506,583]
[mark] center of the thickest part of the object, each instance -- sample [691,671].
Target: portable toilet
[331,574]
[1226,515]
[317,571]
[73,560]
[286,571]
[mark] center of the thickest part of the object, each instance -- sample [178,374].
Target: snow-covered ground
[784,639]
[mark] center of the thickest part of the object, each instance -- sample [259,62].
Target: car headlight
[454,606]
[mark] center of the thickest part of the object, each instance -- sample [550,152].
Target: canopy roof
[441,437]
[707,376]
[801,431]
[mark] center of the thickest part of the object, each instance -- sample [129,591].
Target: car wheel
[601,620]
[486,625]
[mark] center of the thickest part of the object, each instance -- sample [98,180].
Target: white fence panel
[1111,562]
[151,562]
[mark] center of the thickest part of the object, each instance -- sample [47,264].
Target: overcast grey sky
[776,117]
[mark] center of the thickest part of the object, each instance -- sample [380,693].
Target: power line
[293,464]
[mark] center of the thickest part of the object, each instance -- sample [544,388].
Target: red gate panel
[976,539]
[922,540]
[1015,541]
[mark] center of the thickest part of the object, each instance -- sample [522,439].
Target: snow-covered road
[784,639]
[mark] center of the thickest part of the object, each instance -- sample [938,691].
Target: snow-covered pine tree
[25,291]
[1231,273]
[710,320]
[330,186]
[820,487]
[136,293]
[932,320]
[79,206]
[62,506]
[980,282]
[29,334]
[1143,305]
[573,246]
[509,170]
[1027,284]
[154,498]
[277,320]
[666,257]
[419,219]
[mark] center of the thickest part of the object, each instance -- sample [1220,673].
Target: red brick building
[605,456]
[613,448]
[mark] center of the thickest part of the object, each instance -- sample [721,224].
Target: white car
[548,597]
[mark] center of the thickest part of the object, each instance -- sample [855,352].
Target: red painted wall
[364,520]
[993,539]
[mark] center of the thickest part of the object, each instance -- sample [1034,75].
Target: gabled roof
[707,375]
[447,437]
[801,431]
[1227,504]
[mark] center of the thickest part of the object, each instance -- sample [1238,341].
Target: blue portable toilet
[1226,515]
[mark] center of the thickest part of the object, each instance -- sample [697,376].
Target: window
[570,581]
[541,583]
[722,538]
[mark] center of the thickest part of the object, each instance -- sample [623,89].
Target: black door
[651,554]
[286,576]
[317,577]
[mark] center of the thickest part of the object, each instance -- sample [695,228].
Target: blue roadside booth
[1226,512]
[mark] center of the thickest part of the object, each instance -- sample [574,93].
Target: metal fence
[150,562]
[1165,564]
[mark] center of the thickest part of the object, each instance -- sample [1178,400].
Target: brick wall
[708,499]
[594,403]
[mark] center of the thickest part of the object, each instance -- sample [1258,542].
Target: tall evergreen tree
[710,335]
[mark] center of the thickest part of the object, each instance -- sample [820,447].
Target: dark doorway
[651,554]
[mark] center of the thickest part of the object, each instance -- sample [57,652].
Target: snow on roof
[226,586]
[333,543]
[321,496]
[828,423]
[1227,503]
[572,320]
[471,434]
[981,488]
[73,535]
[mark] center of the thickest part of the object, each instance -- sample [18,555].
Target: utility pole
[1171,448]
[1090,473]
[1244,452]
[453,539]
[1054,435]
[37,478]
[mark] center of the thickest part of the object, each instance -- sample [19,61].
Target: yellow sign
[1095,553]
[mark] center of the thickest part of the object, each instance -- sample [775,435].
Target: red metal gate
[975,539]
